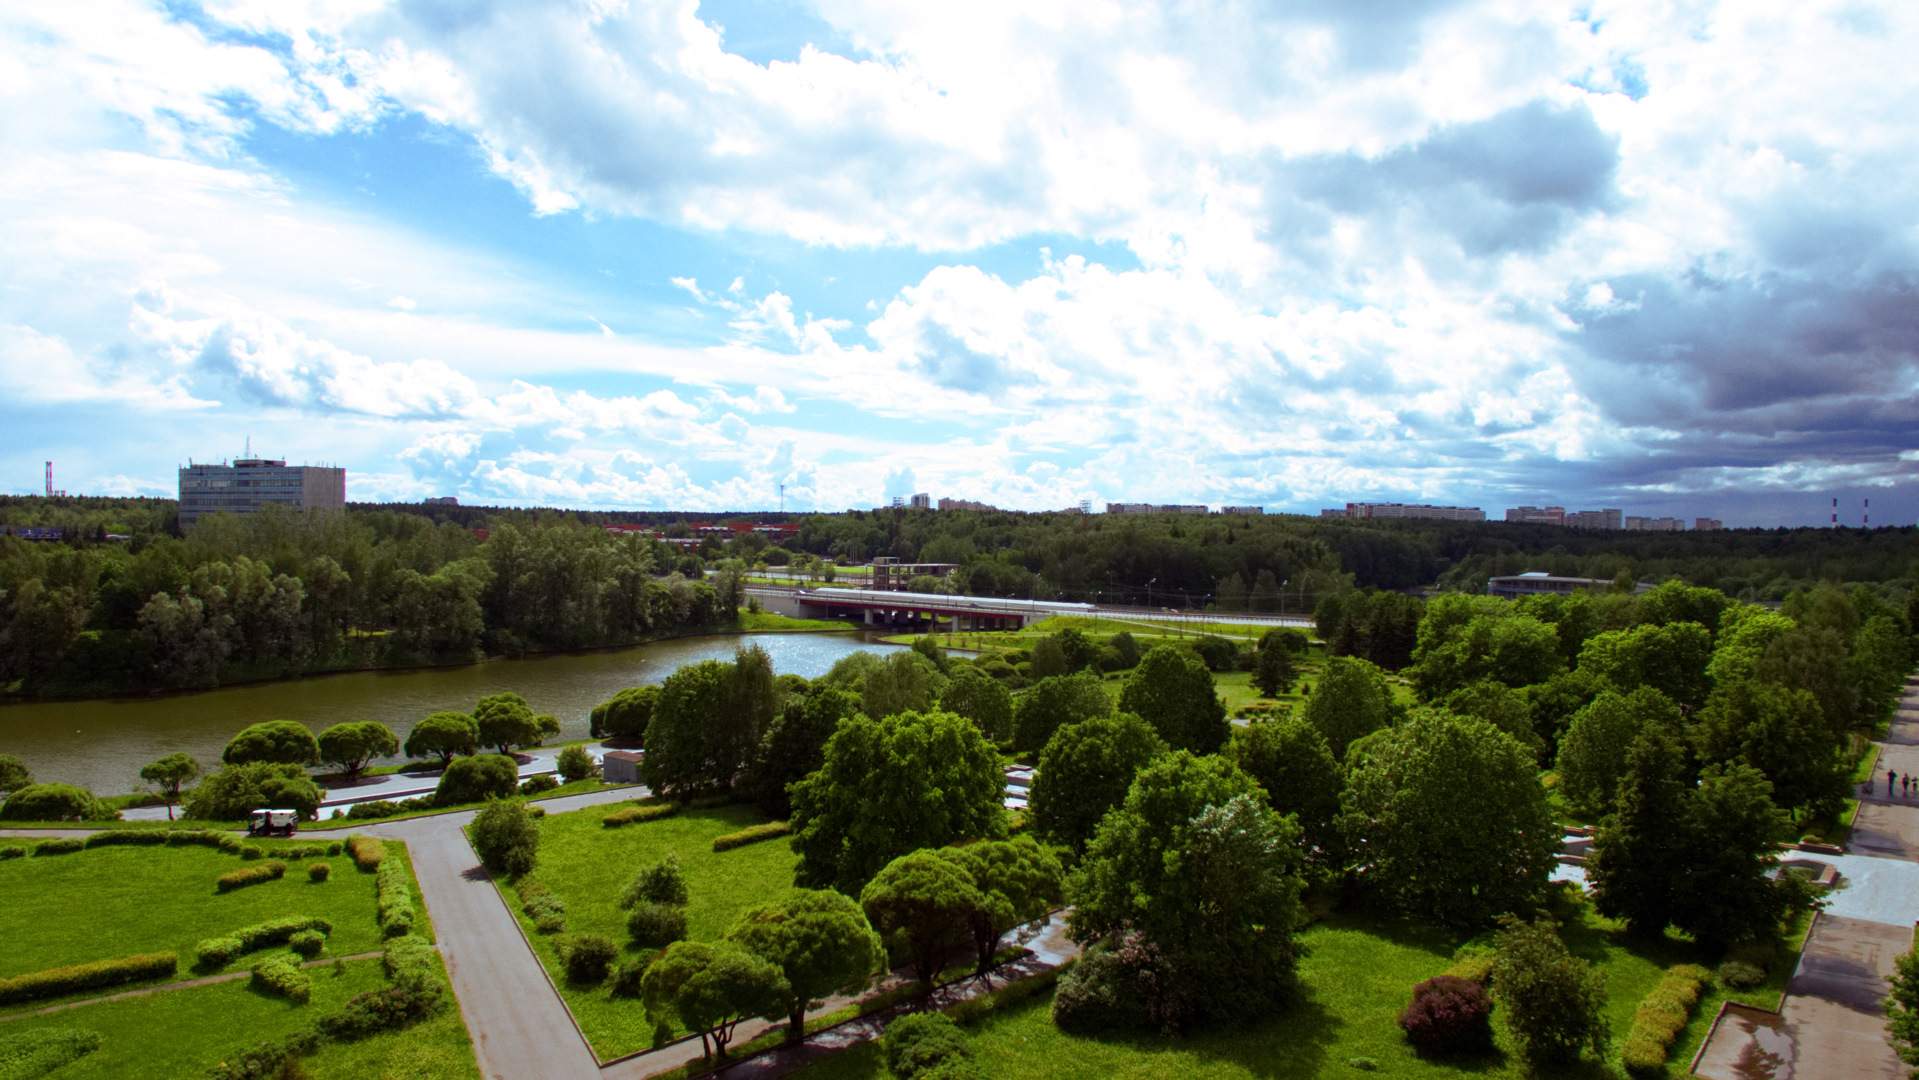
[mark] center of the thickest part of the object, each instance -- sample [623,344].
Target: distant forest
[253,597]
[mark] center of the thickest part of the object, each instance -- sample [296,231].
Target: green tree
[505,721]
[1677,602]
[1085,771]
[821,942]
[506,837]
[445,734]
[625,714]
[921,900]
[795,746]
[1813,659]
[352,744]
[576,764]
[1745,632]
[1172,690]
[238,790]
[1592,756]
[1291,761]
[1880,659]
[1350,698]
[168,774]
[1447,815]
[1781,733]
[1054,702]
[1049,660]
[1553,1002]
[1671,659]
[1638,850]
[477,778]
[903,682]
[712,988]
[659,882]
[283,741]
[926,646]
[1081,652]
[1726,892]
[14,774]
[982,699]
[1275,671]
[1018,881]
[892,786]
[54,802]
[1501,706]
[1197,868]
[1128,649]
[546,726]
[1463,639]
[1215,652]
[709,723]
[1902,1005]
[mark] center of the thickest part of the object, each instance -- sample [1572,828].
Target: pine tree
[1274,672]
[1637,851]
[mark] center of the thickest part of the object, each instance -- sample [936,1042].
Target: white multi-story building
[250,484]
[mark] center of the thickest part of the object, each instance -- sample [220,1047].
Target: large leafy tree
[1172,690]
[1085,771]
[62,802]
[168,774]
[982,699]
[1592,755]
[1640,848]
[1275,669]
[821,942]
[1054,702]
[887,787]
[14,774]
[906,681]
[238,790]
[1726,892]
[285,742]
[1902,1005]
[1018,881]
[709,723]
[712,988]
[1463,639]
[352,744]
[506,837]
[625,714]
[1197,869]
[1292,763]
[921,900]
[476,779]
[506,721]
[444,734]
[1781,733]
[795,746]
[1446,814]
[1553,1002]
[1671,659]
[1350,698]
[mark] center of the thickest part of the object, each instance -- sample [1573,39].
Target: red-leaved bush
[1448,1015]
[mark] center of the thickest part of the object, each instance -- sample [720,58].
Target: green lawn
[182,1033]
[587,864]
[765,622]
[1356,975]
[116,901]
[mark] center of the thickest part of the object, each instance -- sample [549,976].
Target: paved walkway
[1830,1027]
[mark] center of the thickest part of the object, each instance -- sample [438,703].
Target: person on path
[1889,775]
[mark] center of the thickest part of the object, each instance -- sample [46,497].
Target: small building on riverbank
[621,766]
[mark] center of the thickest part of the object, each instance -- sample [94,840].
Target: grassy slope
[587,865]
[1356,975]
[114,901]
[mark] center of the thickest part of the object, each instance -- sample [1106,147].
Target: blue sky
[619,254]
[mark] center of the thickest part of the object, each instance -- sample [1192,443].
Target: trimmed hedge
[319,871]
[375,808]
[12,852]
[55,982]
[634,815]
[367,852]
[31,1054]
[282,975]
[1476,966]
[271,870]
[395,897]
[416,993]
[547,911]
[752,835]
[59,847]
[212,838]
[113,837]
[1660,1018]
[217,952]
[307,943]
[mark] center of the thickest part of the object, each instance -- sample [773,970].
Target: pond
[101,745]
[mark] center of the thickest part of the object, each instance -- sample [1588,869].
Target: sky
[705,256]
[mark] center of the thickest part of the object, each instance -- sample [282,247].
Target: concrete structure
[621,766]
[1647,524]
[1407,510]
[1537,515]
[1540,583]
[1707,525]
[1243,511]
[892,574]
[250,484]
[1595,519]
[957,612]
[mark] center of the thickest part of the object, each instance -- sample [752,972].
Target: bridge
[877,607]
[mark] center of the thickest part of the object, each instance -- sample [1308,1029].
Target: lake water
[101,745]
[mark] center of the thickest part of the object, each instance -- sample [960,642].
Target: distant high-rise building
[250,484]
[1155,508]
[444,500]
[1538,515]
[1706,525]
[922,501]
[1246,511]
[964,504]
[1650,524]
[1595,519]
[1408,510]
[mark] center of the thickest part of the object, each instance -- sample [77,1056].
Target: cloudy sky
[628,254]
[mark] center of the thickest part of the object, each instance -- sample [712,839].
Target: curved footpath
[1830,1026]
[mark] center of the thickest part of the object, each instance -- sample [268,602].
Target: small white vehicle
[272,822]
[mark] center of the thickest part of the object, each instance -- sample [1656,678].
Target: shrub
[633,815]
[319,871]
[12,852]
[394,894]
[662,882]
[54,982]
[238,790]
[538,785]
[980,1006]
[1660,1018]
[226,842]
[505,838]
[752,835]
[217,952]
[375,808]
[282,975]
[547,911]
[250,853]
[307,943]
[587,957]
[134,837]
[416,992]
[477,779]
[1097,995]
[1554,1002]
[59,847]
[55,802]
[32,1054]
[278,931]
[918,1043]
[655,926]
[625,979]
[1740,975]
[271,870]
[366,851]
[575,765]
[1448,1015]
[1474,964]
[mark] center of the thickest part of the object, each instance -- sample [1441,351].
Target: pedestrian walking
[1905,785]
[1889,775]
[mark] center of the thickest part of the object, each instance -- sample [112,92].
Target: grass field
[765,622]
[1356,976]
[587,864]
[183,1033]
[115,901]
